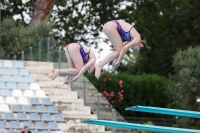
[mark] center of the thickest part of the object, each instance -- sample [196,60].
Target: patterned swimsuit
[85,56]
[123,34]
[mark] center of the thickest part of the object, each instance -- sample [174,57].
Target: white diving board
[166,111]
[140,126]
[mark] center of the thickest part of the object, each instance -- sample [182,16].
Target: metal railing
[43,51]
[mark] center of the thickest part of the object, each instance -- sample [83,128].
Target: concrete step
[48,90]
[36,64]
[55,88]
[63,97]
[66,131]
[67,101]
[65,93]
[82,127]
[77,112]
[73,106]
[40,79]
[80,116]
[44,78]
[50,84]
[61,91]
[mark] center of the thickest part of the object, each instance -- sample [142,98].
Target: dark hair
[145,47]
[25,127]
[92,73]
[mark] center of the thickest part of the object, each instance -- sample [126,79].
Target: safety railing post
[98,105]
[113,119]
[84,94]
[48,45]
[22,55]
[30,53]
[39,51]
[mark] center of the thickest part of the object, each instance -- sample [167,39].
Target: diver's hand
[74,79]
[117,64]
[114,62]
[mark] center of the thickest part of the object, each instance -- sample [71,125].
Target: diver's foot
[66,80]
[55,74]
[50,74]
[97,71]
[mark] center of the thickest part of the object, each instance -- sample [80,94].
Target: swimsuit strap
[130,29]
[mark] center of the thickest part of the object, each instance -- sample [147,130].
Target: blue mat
[140,126]
[165,111]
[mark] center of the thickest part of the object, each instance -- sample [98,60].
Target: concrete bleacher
[23,103]
[28,97]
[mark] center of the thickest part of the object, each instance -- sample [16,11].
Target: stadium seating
[11,85]
[9,116]
[47,102]
[46,117]
[7,64]
[2,71]
[21,117]
[2,85]
[18,64]
[24,103]
[13,71]
[34,101]
[29,124]
[16,109]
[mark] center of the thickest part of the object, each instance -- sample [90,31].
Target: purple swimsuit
[85,56]
[123,34]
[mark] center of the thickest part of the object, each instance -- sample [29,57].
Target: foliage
[73,20]
[148,123]
[123,90]
[167,26]
[82,20]
[12,8]
[187,87]
[16,37]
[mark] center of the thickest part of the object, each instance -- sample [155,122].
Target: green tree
[73,20]
[16,37]
[9,8]
[82,20]
[187,87]
[166,26]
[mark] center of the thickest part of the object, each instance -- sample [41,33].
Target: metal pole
[39,51]
[30,53]
[48,43]
[84,93]
[98,107]
[15,57]
[22,55]
[71,83]
[59,57]
[113,119]
[0,20]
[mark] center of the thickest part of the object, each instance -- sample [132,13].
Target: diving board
[166,111]
[140,126]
